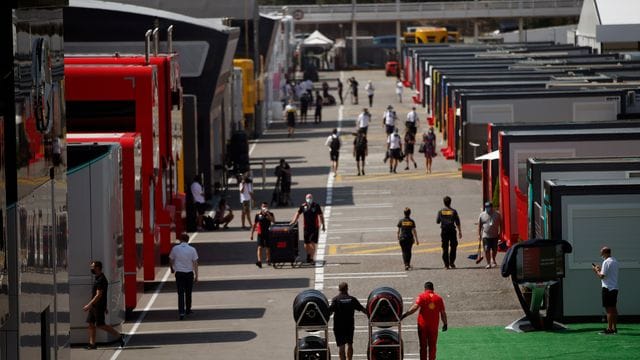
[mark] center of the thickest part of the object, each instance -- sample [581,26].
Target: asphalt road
[242,312]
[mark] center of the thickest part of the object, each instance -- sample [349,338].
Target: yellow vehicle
[430,35]
[249,93]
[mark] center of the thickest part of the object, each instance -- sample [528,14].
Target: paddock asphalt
[245,313]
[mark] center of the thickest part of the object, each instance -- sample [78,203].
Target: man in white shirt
[184,262]
[370,91]
[197,193]
[363,121]
[412,121]
[246,196]
[608,275]
[389,120]
[394,146]
[399,87]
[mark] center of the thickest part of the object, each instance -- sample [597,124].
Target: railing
[323,9]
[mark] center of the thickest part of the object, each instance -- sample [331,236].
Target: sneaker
[488,266]
[189,312]
[181,317]
[358,173]
[407,168]
[406,267]
[91,347]
[415,166]
[446,267]
[495,264]
[607,332]
[452,266]
[259,264]
[362,172]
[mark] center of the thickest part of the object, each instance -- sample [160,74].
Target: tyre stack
[311,314]
[384,306]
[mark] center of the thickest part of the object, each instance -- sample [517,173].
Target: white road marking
[372,206]
[322,239]
[329,277]
[150,303]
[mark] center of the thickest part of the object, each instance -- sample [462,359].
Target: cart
[283,243]
[320,352]
[385,351]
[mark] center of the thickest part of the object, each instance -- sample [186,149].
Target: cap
[488,204]
[389,107]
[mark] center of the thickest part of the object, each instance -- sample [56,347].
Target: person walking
[399,88]
[429,141]
[409,147]
[432,310]
[96,308]
[246,197]
[317,115]
[354,91]
[489,227]
[261,224]
[290,116]
[340,90]
[449,220]
[407,236]
[412,121]
[333,142]
[608,275]
[363,121]
[184,263]
[283,173]
[343,307]
[304,106]
[394,148]
[360,150]
[370,91]
[197,193]
[312,213]
[389,120]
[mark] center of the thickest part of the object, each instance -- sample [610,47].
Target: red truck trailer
[170,195]
[112,98]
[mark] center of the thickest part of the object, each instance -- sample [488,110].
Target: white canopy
[317,39]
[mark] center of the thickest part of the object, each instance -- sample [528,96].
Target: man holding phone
[608,275]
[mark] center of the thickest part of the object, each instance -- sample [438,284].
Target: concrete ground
[243,312]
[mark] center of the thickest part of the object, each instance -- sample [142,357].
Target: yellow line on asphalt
[333,249]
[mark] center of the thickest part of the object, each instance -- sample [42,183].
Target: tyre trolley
[385,344]
[283,242]
[312,347]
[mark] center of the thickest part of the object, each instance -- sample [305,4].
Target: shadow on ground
[203,314]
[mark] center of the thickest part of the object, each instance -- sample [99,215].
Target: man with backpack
[333,142]
[360,150]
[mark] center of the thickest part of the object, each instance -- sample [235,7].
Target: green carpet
[581,341]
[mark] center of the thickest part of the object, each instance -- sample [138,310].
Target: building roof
[610,20]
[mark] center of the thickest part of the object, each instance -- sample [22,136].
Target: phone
[593,264]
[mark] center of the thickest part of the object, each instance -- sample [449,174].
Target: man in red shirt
[431,308]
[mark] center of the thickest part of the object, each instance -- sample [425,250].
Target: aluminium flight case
[283,242]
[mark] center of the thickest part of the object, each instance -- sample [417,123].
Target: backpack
[361,143]
[335,143]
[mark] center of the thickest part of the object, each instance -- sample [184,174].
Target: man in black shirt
[407,236]
[343,307]
[283,173]
[449,220]
[261,225]
[97,307]
[312,219]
